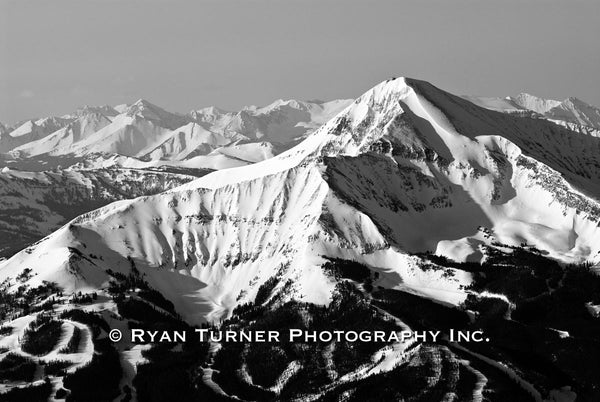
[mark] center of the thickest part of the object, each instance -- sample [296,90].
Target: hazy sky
[60,54]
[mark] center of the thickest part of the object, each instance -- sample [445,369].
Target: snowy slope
[407,167]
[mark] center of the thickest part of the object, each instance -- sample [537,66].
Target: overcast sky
[60,54]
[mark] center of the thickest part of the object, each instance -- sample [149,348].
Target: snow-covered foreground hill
[406,168]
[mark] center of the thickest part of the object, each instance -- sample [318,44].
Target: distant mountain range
[144,135]
[571,111]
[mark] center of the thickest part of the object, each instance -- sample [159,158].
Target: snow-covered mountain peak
[535,103]
[576,111]
[379,112]
[146,110]
[39,127]
[32,130]
[569,112]
[66,137]
[405,168]
[23,129]
[143,103]
[383,111]
[142,106]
